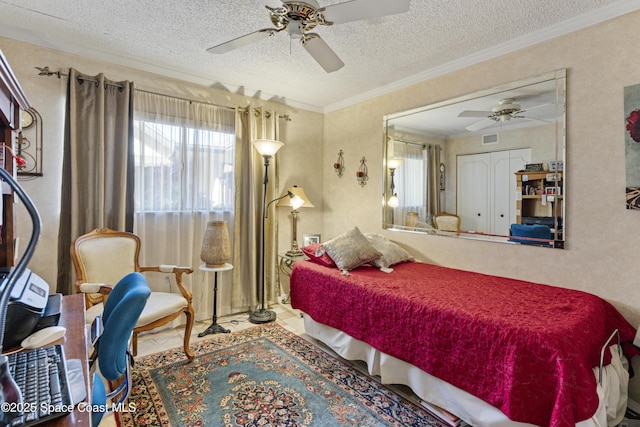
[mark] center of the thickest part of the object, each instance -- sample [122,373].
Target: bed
[494,351]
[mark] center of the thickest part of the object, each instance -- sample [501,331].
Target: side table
[285,265]
[214,328]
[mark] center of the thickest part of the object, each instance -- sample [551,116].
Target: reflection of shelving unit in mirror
[541,200]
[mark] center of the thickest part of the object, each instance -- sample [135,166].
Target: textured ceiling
[170,37]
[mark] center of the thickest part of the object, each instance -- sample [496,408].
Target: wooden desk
[75,347]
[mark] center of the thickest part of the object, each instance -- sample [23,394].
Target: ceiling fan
[506,110]
[300,17]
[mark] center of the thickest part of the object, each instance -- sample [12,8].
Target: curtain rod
[44,71]
[422,144]
[184,99]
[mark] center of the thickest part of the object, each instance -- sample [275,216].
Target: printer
[27,303]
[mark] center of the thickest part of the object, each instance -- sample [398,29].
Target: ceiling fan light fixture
[295,29]
[506,108]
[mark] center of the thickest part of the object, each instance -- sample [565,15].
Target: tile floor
[154,342]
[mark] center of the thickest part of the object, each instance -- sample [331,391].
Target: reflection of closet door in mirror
[502,211]
[487,190]
[473,192]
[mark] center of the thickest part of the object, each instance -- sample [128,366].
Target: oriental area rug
[261,376]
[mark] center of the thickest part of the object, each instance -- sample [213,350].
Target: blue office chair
[111,335]
[531,234]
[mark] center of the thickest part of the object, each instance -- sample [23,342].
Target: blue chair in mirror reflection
[531,234]
[111,333]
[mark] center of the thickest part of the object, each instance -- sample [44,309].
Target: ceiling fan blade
[270,3]
[242,41]
[474,113]
[322,53]
[532,119]
[480,125]
[357,10]
[534,107]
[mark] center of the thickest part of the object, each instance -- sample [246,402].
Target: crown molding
[543,35]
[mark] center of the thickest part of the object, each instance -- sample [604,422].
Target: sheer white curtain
[184,177]
[411,181]
[416,180]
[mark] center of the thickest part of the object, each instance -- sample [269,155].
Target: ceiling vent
[490,139]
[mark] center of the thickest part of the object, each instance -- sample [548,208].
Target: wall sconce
[338,166]
[363,173]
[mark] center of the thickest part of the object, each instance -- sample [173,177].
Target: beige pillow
[391,252]
[350,250]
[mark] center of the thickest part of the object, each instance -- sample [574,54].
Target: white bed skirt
[613,393]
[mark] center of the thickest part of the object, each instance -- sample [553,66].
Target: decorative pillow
[424,225]
[391,252]
[350,250]
[316,253]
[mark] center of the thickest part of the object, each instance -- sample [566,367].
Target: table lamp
[298,191]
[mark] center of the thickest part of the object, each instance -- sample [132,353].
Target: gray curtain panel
[254,124]
[247,207]
[97,170]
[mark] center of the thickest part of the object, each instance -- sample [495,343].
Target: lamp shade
[267,147]
[394,162]
[393,201]
[216,247]
[291,201]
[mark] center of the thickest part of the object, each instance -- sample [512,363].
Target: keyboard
[41,375]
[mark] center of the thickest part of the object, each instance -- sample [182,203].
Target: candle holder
[338,166]
[363,173]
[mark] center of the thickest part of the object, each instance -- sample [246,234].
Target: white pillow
[424,225]
[350,249]
[391,252]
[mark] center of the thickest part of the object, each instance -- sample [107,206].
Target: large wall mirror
[488,165]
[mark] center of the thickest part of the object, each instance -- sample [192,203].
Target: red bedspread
[525,348]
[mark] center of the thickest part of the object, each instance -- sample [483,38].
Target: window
[180,168]
[411,171]
[184,177]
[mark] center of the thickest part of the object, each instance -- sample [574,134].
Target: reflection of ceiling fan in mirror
[506,110]
[299,17]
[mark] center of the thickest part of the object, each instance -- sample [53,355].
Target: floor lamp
[393,201]
[267,149]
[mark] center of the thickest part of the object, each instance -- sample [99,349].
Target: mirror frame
[559,76]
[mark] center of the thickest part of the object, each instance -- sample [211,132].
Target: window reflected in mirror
[491,162]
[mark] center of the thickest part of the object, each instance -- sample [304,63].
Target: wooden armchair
[445,221]
[102,257]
